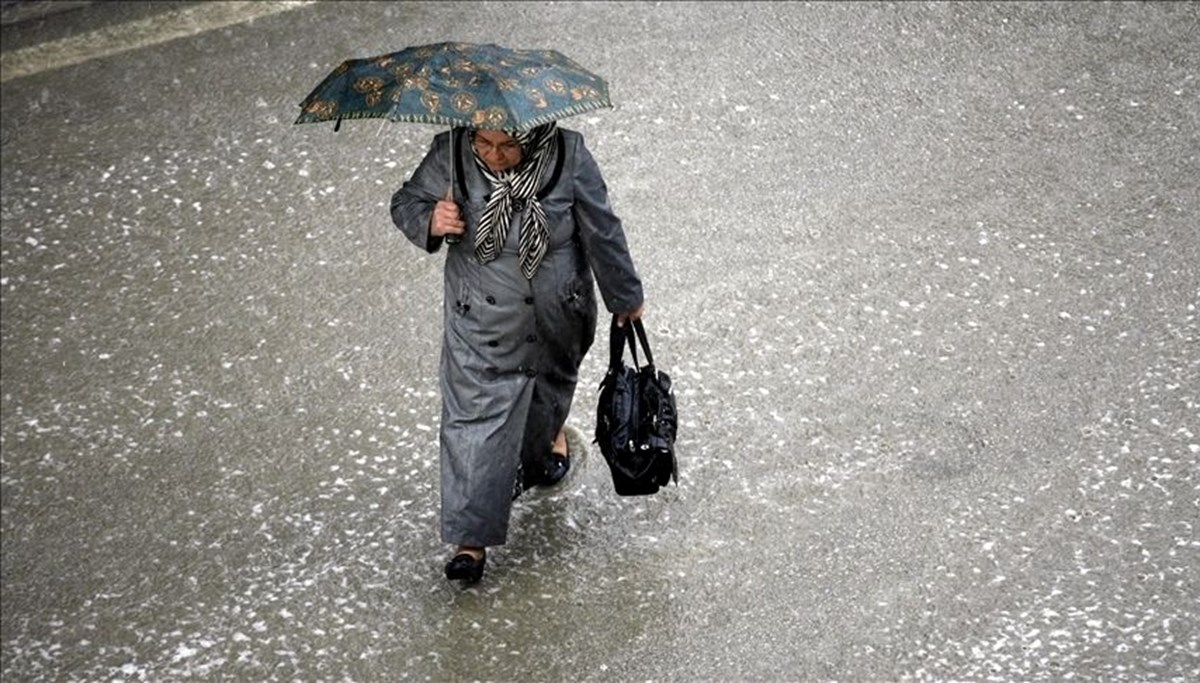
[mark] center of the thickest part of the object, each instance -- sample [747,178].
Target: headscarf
[517,183]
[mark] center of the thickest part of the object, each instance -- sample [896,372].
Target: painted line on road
[114,40]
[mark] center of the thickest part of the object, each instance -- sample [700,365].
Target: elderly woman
[527,228]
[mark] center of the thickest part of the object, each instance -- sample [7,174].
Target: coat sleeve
[412,204]
[603,237]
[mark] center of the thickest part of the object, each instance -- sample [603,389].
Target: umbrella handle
[452,239]
[450,190]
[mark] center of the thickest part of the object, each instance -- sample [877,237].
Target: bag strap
[641,335]
[619,336]
[558,164]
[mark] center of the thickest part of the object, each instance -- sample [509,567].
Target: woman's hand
[635,314]
[446,220]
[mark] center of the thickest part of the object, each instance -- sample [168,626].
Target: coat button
[531,338]
[529,300]
[490,299]
[518,205]
[530,372]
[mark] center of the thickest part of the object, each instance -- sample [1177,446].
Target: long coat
[511,347]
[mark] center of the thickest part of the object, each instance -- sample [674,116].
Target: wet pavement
[925,276]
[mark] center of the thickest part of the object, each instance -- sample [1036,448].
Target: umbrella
[457,84]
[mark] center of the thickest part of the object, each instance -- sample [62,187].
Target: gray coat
[511,347]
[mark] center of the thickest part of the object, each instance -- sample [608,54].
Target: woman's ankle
[476,552]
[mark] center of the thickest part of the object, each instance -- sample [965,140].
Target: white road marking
[113,40]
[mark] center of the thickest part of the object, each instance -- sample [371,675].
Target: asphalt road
[924,274]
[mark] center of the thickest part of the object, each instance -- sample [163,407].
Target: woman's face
[499,150]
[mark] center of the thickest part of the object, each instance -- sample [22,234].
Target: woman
[531,226]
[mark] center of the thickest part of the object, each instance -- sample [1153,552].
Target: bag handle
[641,335]
[619,336]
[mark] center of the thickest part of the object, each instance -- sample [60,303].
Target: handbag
[636,420]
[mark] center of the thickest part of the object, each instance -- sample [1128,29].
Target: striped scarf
[518,183]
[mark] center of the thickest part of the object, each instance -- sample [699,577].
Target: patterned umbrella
[458,84]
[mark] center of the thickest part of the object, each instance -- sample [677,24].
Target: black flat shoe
[558,471]
[464,567]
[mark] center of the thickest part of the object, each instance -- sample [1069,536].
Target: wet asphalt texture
[925,276]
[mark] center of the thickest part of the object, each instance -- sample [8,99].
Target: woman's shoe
[558,471]
[464,567]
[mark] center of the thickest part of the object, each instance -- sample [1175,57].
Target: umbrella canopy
[458,84]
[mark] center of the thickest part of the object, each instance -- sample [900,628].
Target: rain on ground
[924,275]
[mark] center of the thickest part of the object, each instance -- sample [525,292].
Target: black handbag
[636,421]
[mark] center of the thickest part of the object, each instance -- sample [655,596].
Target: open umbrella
[457,84]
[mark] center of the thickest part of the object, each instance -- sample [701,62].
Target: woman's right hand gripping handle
[446,220]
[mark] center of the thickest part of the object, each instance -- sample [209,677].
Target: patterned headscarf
[517,183]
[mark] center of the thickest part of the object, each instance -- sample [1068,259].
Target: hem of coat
[473,541]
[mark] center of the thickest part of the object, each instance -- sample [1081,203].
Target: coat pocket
[464,287]
[579,299]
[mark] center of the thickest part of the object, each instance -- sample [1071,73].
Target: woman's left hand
[635,314]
